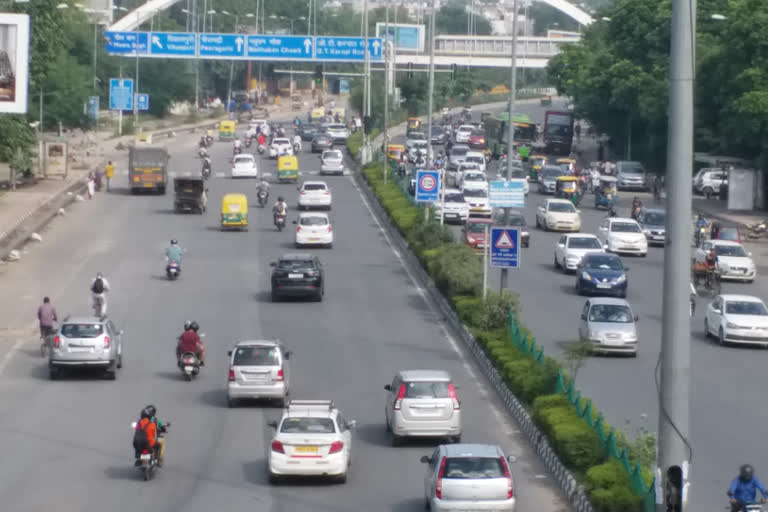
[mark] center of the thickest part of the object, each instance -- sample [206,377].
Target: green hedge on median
[457,272]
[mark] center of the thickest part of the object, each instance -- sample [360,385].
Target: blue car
[601,274]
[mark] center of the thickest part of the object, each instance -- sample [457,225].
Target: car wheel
[396,440]
[53,373]
[707,192]
[110,374]
[427,504]
[329,246]
[557,264]
[318,297]
[721,337]
[273,478]
[707,334]
[275,297]
[644,255]
[456,439]
[298,245]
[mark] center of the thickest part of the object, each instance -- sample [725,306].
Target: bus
[558,132]
[497,132]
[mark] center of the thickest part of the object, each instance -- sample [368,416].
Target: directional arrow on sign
[239,43]
[156,40]
[307,45]
[376,47]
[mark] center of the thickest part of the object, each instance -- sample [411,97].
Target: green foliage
[453,18]
[609,489]
[490,314]
[429,235]
[458,271]
[575,355]
[70,85]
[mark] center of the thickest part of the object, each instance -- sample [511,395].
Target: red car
[474,233]
[477,140]
[731,233]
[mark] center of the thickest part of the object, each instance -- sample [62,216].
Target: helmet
[149,411]
[174,241]
[280,199]
[194,326]
[187,324]
[99,275]
[746,473]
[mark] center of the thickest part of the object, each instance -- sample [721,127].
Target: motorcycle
[757,230]
[261,149]
[209,140]
[279,221]
[172,270]
[262,196]
[296,147]
[238,150]
[148,463]
[635,212]
[202,152]
[247,142]
[189,364]
[701,235]
[401,170]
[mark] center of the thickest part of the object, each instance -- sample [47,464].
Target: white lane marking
[502,418]
[220,175]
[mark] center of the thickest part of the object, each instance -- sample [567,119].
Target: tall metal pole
[196,25]
[366,79]
[674,408]
[511,123]
[386,91]
[119,112]
[431,89]
[136,85]
[487,248]
[95,54]
[231,72]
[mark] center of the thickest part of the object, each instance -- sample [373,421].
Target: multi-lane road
[66,444]
[726,396]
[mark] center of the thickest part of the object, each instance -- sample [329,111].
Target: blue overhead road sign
[507,194]
[427,186]
[142,101]
[120,94]
[172,44]
[505,247]
[222,46]
[280,47]
[347,48]
[124,43]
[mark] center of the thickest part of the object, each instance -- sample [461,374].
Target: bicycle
[46,340]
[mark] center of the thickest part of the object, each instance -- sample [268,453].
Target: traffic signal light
[368,124]
[319,74]
[673,492]
[454,69]
[410,70]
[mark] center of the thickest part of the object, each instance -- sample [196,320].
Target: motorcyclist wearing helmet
[174,252]
[152,426]
[190,342]
[99,289]
[280,208]
[203,143]
[743,489]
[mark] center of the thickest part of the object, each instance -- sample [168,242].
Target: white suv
[422,403]
[709,180]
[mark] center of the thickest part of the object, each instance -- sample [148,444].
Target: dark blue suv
[601,274]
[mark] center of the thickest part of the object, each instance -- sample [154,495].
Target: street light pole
[673,449]
[231,72]
[511,124]
[95,53]
[136,85]
[431,89]
[366,79]
[386,92]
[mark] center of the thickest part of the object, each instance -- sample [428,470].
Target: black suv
[298,275]
[321,141]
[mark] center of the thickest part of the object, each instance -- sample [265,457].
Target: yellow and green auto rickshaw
[567,164]
[227,130]
[545,100]
[414,124]
[234,212]
[287,169]
[537,163]
[317,114]
[567,187]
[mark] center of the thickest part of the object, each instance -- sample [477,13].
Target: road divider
[593,462]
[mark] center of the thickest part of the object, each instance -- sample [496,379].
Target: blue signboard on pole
[172,44]
[406,37]
[505,247]
[280,47]
[427,186]
[507,194]
[142,101]
[124,43]
[222,46]
[121,94]
[348,49]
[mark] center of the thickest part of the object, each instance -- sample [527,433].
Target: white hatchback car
[422,403]
[623,235]
[737,319]
[280,147]
[244,166]
[314,228]
[258,369]
[314,194]
[570,249]
[558,215]
[472,180]
[312,439]
[332,162]
[476,157]
[734,262]
[463,132]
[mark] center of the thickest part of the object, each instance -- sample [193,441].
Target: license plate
[306,449]
[189,368]
[603,285]
[148,185]
[145,456]
[452,215]
[314,239]
[295,276]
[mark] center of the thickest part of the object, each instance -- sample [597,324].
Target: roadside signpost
[427,186]
[505,247]
[142,101]
[172,44]
[121,94]
[506,194]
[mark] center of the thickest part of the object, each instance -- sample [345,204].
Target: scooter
[172,270]
[209,140]
[206,170]
[189,364]
[261,149]
[147,458]
[202,152]
[262,196]
[238,150]
[247,142]
[296,147]
[280,221]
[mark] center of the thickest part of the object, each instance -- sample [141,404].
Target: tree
[575,355]
[453,18]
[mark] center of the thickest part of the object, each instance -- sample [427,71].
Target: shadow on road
[214,398]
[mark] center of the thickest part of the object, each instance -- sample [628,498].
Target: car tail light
[277,446]
[298,229]
[280,374]
[452,394]
[336,447]
[326,191]
[400,396]
[312,273]
[329,228]
[57,342]
[471,240]
[107,342]
[439,483]
[302,192]
[510,490]
[231,374]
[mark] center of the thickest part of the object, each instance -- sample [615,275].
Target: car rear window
[454,198]
[336,127]
[281,141]
[477,159]
[256,356]
[307,426]
[585,242]
[427,390]
[243,159]
[332,154]
[475,192]
[625,227]
[459,151]
[314,186]
[295,264]
[313,221]
[473,468]
[81,330]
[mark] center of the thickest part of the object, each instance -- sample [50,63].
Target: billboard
[55,159]
[14,63]
[406,37]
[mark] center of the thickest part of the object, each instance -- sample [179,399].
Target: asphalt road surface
[66,444]
[726,396]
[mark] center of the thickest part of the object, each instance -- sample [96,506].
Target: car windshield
[467,166]
[420,144]
[332,154]
[477,227]
[256,356]
[307,426]
[295,264]
[603,263]
[473,468]
[81,330]
[244,159]
[738,307]
[728,234]
[583,242]
[427,389]
[337,127]
[416,135]
[730,250]
[517,174]
[474,176]
[624,227]
[551,174]
[477,133]
[459,151]
[280,141]
[631,168]
[561,207]
[321,137]
[475,192]
[654,218]
[475,159]
[466,128]
[313,221]
[314,186]
[454,198]
[611,313]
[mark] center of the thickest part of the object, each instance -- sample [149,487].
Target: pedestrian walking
[91,185]
[109,171]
